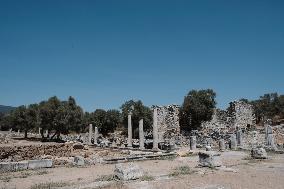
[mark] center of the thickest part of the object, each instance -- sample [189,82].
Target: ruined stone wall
[253,139]
[168,121]
[28,152]
[241,114]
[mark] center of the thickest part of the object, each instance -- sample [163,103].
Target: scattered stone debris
[34,151]
[78,146]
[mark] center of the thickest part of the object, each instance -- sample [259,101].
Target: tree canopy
[198,106]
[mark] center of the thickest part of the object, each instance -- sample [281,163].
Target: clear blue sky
[106,52]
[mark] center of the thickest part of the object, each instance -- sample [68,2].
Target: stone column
[233,142]
[129,141]
[141,135]
[239,137]
[90,134]
[155,129]
[96,135]
[192,142]
[46,133]
[222,146]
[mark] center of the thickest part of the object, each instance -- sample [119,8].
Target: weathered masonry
[239,115]
[167,121]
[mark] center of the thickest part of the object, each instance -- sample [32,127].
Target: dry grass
[49,185]
[182,170]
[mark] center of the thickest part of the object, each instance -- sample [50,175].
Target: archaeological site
[141,94]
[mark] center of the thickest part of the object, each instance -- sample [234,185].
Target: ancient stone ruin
[167,121]
[238,115]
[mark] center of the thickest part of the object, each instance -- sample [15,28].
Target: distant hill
[6,109]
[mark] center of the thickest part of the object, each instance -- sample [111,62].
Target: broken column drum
[129,141]
[222,146]
[192,142]
[141,135]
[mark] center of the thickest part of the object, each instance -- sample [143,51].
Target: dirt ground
[240,173]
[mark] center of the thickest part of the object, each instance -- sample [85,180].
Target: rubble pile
[29,152]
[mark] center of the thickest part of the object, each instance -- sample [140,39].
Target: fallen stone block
[209,159]
[258,153]
[13,166]
[128,171]
[39,164]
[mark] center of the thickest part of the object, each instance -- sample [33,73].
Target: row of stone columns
[141,132]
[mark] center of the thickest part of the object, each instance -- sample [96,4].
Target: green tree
[32,116]
[139,111]
[198,106]
[112,120]
[268,106]
[20,119]
[6,122]
[47,112]
[68,117]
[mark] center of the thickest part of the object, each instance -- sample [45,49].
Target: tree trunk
[26,134]
[53,135]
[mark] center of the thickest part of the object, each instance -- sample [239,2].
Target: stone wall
[242,114]
[168,121]
[239,114]
[28,152]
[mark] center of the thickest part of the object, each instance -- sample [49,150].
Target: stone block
[209,159]
[13,166]
[38,164]
[128,171]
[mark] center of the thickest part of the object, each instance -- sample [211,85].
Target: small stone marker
[222,146]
